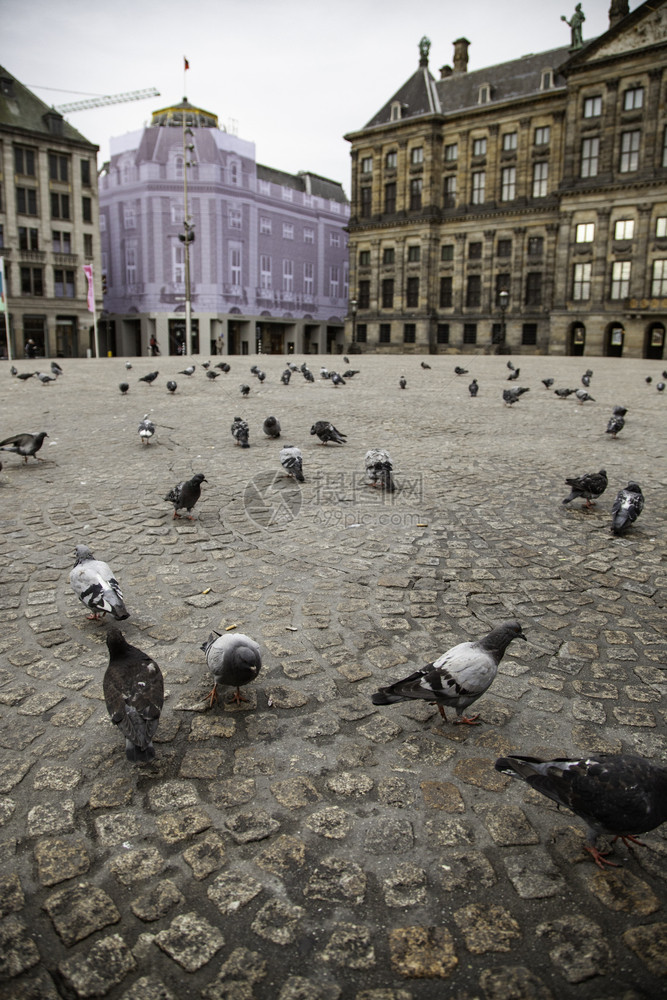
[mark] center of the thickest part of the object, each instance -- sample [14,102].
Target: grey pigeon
[95,585]
[213,375]
[473,388]
[513,375]
[564,393]
[171,385]
[457,678]
[615,425]
[261,376]
[379,468]
[15,370]
[424,365]
[346,360]
[291,460]
[234,659]
[324,372]
[402,382]
[461,371]
[583,396]
[626,508]
[26,445]
[589,486]
[206,364]
[123,386]
[547,382]
[308,375]
[186,494]
[190,370]
[615,794]
[337,379]
[254,369]
[286,376]
[146,429]
[56,369]
[512,396]
[510,366]
[128,365]
[223,366]
[351,372]
[150,378]
[240,432]
[134,695]
[327,432]
[271,427]
[585,381]
[44,378]
[620,411]
[660,386]
[25,375]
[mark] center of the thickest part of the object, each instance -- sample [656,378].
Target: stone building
[521,207]
[268,264]
[48,224]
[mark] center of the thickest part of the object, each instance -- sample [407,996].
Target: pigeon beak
[520,635]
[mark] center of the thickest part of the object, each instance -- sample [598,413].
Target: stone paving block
[251,825]
[296,792]
[406,886]
[190,940]
[350,785]
[507,825]
[229,892]
[336,880]
[182,824]
[301,988]
[393,836]
[139,863]
[517,982]
[58,859]
[533,875]
[110,794]
[422,952]
[621,891]
[237,976]
[206,856]
[487,928]
[79,910]
[448,832]
[38,987]
[233,792]
[277,921]
[148,988]
[116,828]
[11,894]
[95,973]
[284,854]
[55,817]
[350,946]
[649,942]
[331,822]
[156,901]
[577,947]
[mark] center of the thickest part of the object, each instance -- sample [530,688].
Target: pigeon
[402,382]
[123,386]
[351,372]
[128,365]
[223,366]
[56,369]
[206,364]
[186,494]
[134,695]
[461,371]
[379,467]
[648,379]
[25,444]
[513,375]
[245,389]
[583,396]
[588,487]
[146,429]
[457,678]
[14,370]
[254,369]
[620,411]
[564,393]
[150,378]
[240,432]
[271,427]
[327,432]
[171,385]
[424,365]
[323,372]
[616,794]
[615,425]
[660,386]
[664,374]
[547,382]
[346,360]
[294,368]
[44,378]
[291,460]
[286,376]
[512,396]
[261,376]
[25,375]
[213,375]
[589,372]
[473,388]
[234,659]
[308,375]
[510,366]
[95,585]
[626,508]
[190,370]
[586,381]
[337,379]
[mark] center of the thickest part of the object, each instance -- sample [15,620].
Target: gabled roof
[417,96]
[641,28]
[23,111]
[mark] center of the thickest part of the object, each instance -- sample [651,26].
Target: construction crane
[106,99]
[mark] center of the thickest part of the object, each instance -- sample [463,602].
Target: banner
[3,287]
[88,271]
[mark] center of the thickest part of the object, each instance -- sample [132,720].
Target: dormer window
[396,111]
[484,95]
[547,79]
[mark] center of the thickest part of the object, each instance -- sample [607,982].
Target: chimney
[617,11]
[461,55]
[445,71]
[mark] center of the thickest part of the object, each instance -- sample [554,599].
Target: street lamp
[354,305]
[503,302]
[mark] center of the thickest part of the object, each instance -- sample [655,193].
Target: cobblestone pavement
[307,845]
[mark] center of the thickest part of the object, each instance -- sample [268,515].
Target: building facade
[521,207]
[268,262]
[48,225]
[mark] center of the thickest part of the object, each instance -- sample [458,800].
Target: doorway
[655,342]
[577,339]
[614,341]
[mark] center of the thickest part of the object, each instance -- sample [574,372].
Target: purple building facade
[268,264]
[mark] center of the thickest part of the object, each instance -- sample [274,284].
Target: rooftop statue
[575,24]
[424,46]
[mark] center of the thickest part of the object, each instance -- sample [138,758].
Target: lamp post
[353,309]
[188,234]
[503,302]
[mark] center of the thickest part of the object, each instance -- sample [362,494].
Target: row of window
[407,332]
[621,274]
[61,241]
[541,137]
[25,164]
[61,205]
[534,248]
[32,282]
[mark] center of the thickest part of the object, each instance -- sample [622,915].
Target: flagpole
[4,306]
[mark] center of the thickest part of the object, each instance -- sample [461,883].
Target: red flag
[186,64]
[88,271]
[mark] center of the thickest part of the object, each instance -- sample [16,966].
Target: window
[451,152]
[288,275]
[388,255]
[470,333]
[391,160]
[265,187]
[175,213]
[475,251]
[508,184]
[592,107]
[131,263]
[334,239]
[633,99]
[414,254]
[334,280]
[409,333]
[385,333]
[659,280]
[661,227]
[364,295]
[479,147]
[2,235]
[63,283]
[177,262]
[234,217]
[395,111]
[630,151]
[484,94]
[234,172]
[581,285]
[447,251]
[542,135]
[387,293]
[504,248]
[367,165]
[442,333]
[59,205]
[415,194]
[24,161]
[362,333]
[502,285]
[417,155]
[62,242]
[103,223]
[32,281]
[535,246]
[129,217]
[509,142]
[478,187]
[366,195]
[390,198]
[288,231]
[584,232]
[308,278]
[620,279]
[308,235]
[540,178]
[529,334]
[449,191]
[28,238]
[445,292]
[58,167]
[534,288]
[547,80]
[265,271]
[474,291]
[26,201]
[412,293]
[265,225]
[624,229]
[85,173]
[287,194]
[364,258]
[590,154]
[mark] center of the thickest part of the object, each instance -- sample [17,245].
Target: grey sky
[294,74]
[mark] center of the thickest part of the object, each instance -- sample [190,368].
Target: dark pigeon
[547,382]
[134,695]
[213,375]
[626,508]
[291,460]
[241,432]
[424,365]
[94,583]
[337,379]
[186,494]
[461,371]
[56,369]
[271,427]
[615,425]
[123,387]
[473,388]
[234,660]
[286,376]
[564,393]
[146,429]
[150,378]
[587,487]
[379,468]
[513,375]
[171,385]
[327,432]
[402,382]
[245,389]
[26,445]
[512,396]
[25,375]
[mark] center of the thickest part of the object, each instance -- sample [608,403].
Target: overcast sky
[295,75]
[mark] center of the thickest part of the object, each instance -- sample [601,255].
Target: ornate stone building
[520,207]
